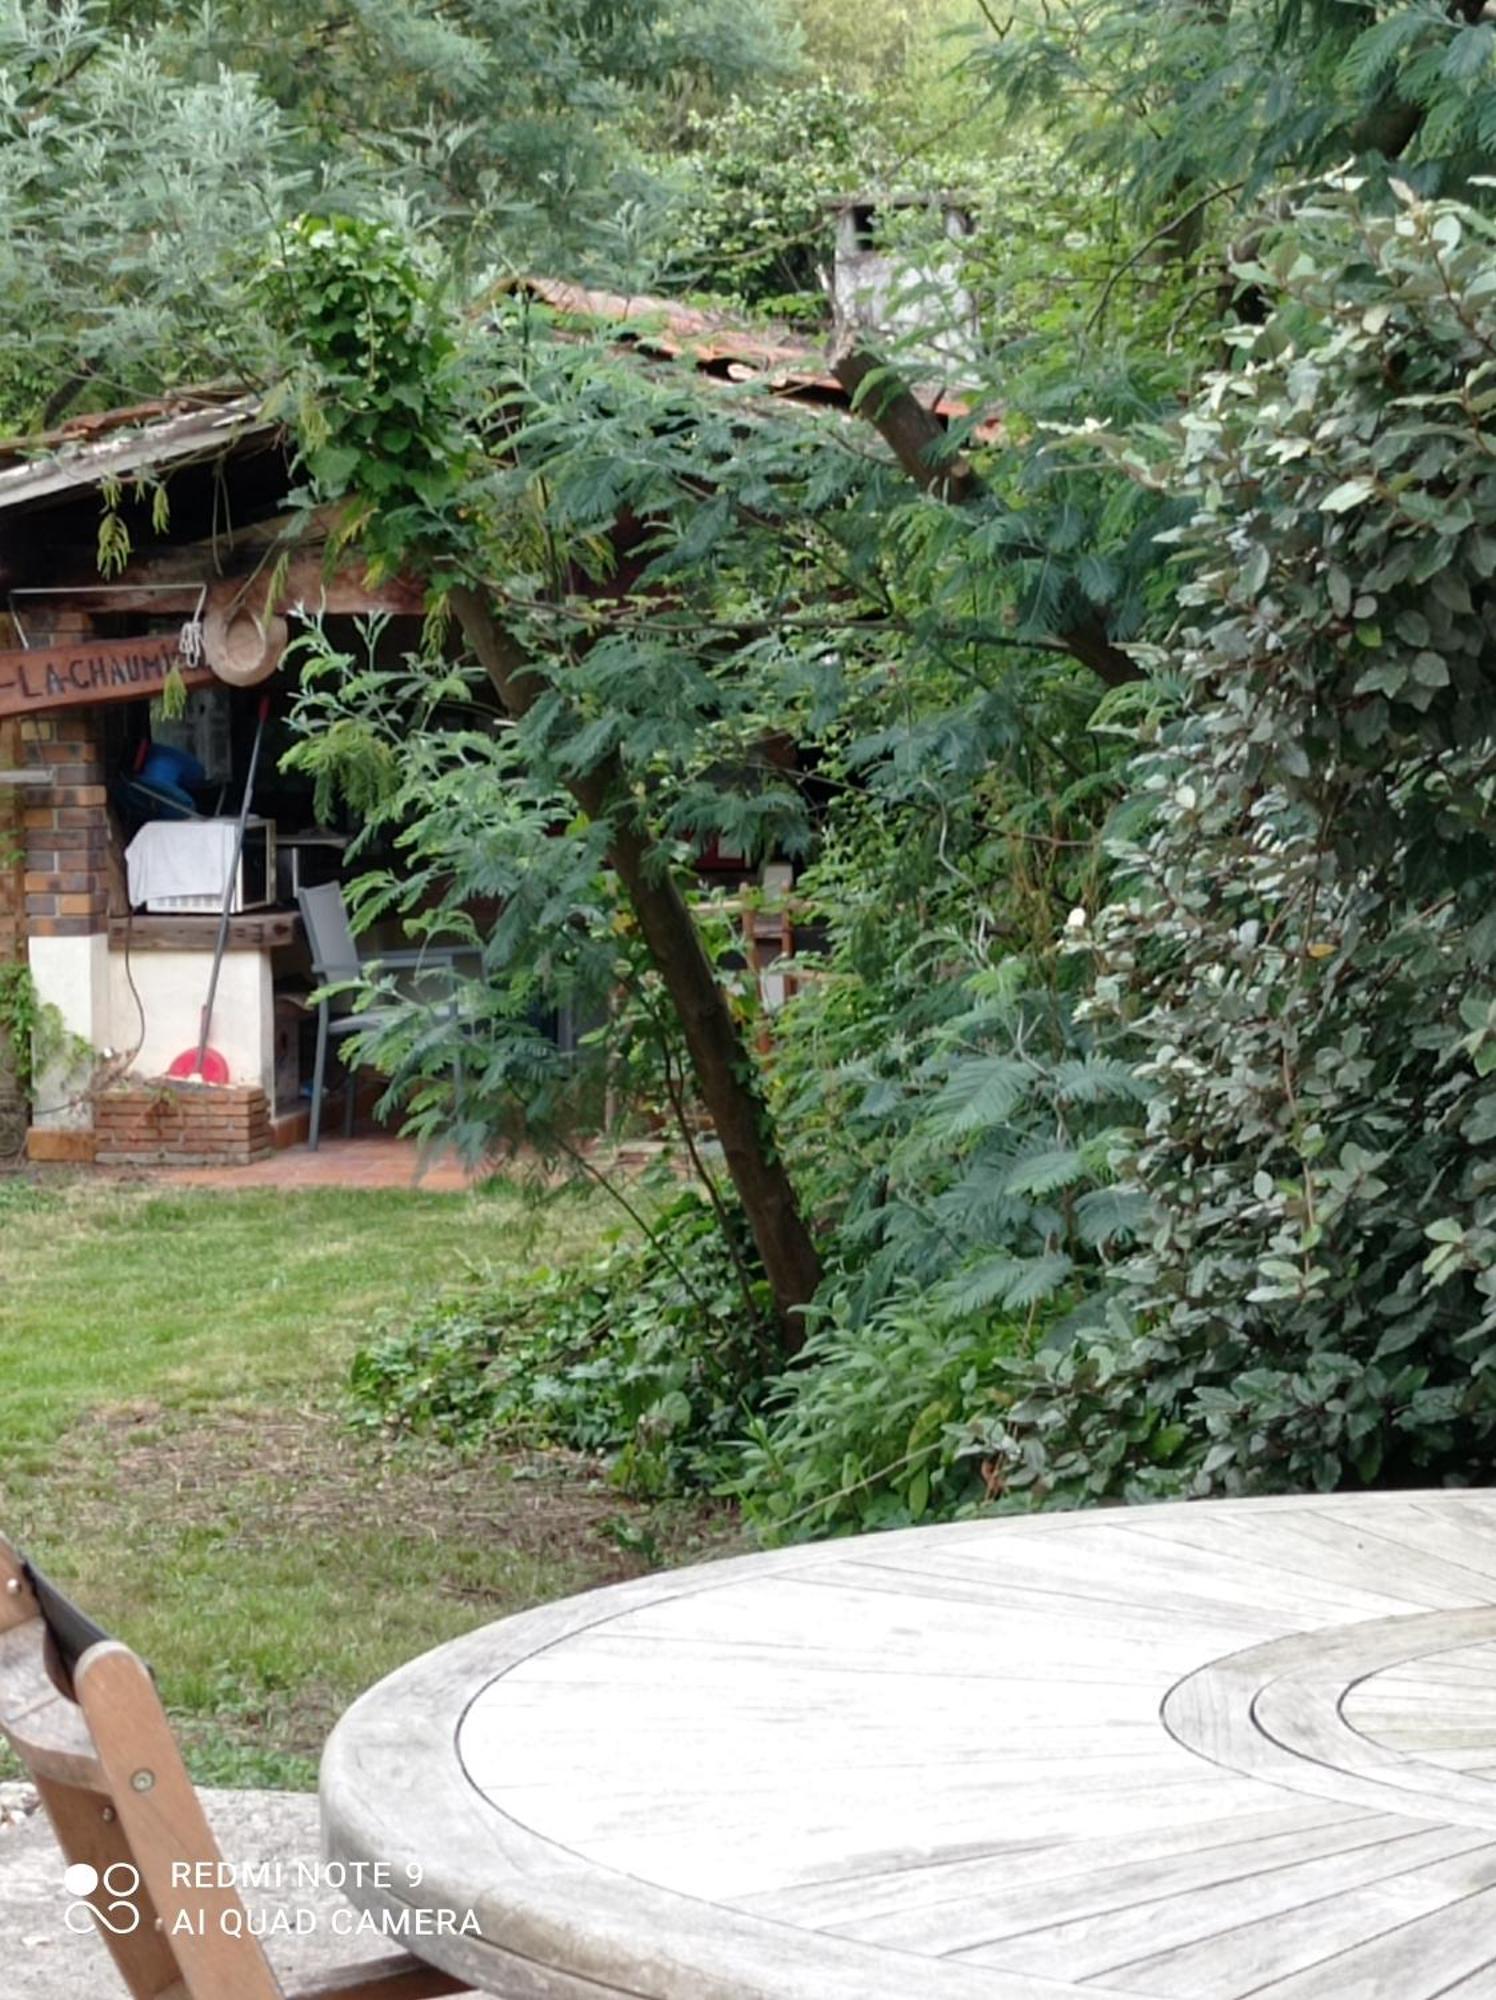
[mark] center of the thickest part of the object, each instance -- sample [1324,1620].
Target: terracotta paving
[376,1162]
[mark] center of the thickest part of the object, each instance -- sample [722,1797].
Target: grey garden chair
[336,961]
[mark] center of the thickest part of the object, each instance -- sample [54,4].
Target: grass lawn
[172,1447]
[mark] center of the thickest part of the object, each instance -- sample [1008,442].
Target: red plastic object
[212,1068]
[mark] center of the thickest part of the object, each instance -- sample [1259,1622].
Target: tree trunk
[723,1065]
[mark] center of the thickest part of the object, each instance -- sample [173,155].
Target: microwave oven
[254,879]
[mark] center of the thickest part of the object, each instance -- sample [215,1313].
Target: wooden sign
[92,670]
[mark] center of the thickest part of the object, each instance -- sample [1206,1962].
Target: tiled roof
[204,423]
[122,443]
[717,345]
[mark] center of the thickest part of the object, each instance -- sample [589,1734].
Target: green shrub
[33,1034]
[651,1356]
[963,1123]
[871,1428]
[1302,941]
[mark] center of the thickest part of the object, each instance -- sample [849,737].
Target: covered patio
[134,688]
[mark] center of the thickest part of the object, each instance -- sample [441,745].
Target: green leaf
[1096,1078]
[1349,493]
[1046,1171]
[1014,1282]
[1480,1126]
[333,465]
[980,1093]
[1103,1215]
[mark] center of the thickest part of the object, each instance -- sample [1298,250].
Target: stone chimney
[898,276]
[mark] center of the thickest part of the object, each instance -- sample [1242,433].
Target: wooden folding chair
[82,1713]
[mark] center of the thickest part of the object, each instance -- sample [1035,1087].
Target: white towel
[180,857]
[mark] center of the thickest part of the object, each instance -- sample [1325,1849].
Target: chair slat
[164,1822]
[42,1726]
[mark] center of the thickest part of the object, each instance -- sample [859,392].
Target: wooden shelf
[260,930]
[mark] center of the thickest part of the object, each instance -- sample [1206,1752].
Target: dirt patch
[180,1521]
[257,1473]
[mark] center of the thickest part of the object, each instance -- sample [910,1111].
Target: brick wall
[164,1124]
[70,864]
[12,851]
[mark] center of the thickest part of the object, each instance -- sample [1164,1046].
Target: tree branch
[920,443]
[1164,231]
[915,435]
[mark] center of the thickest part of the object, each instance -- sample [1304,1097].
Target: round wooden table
[1192,1752]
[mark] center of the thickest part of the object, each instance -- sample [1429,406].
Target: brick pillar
[14,1112]
[12,850]
[68,876]
[68,832]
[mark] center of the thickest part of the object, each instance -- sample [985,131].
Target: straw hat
[241,644]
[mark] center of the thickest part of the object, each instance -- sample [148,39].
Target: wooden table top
[1189,1752]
